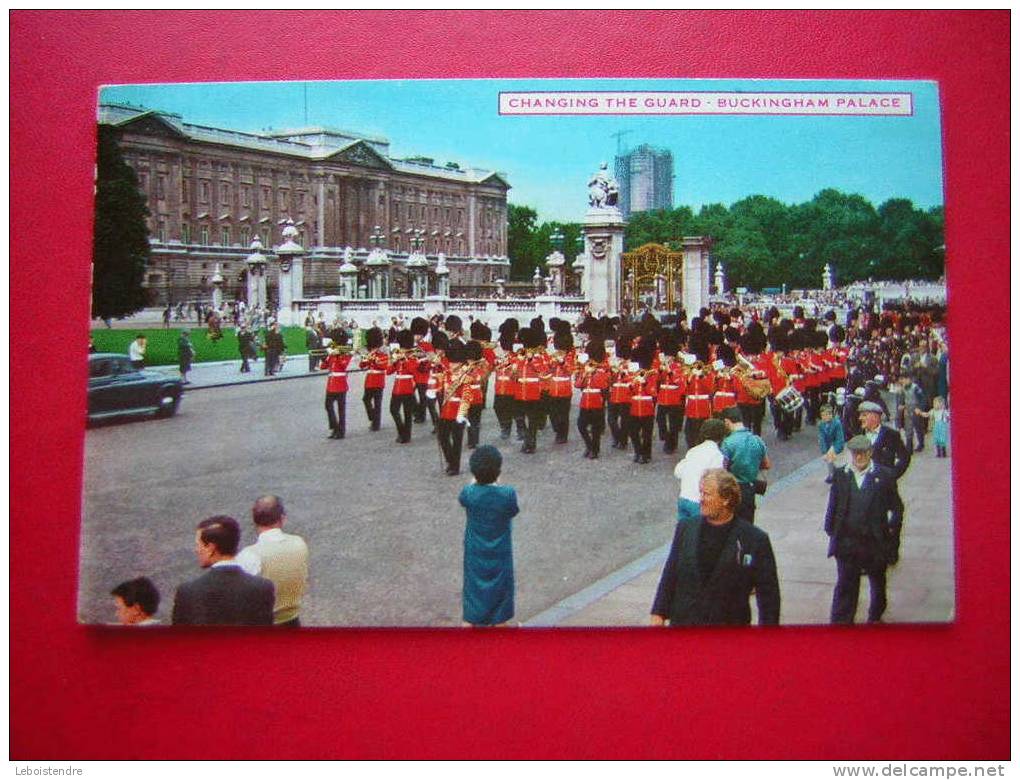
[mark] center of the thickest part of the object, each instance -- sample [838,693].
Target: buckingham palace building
[212,190]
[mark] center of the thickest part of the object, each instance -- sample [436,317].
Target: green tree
[522,244]
[910,241]
[120,248]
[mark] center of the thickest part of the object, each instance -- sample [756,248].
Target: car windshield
[109,366]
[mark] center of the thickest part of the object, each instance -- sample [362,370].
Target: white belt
[640,398]
[561,379]
[796,376]
[591,390]
[405,376]
[621,384]
[338,373]
[699,397]
[722,392]
[475,387]
[375,371]
[528,379]
[453,400]
[669,387]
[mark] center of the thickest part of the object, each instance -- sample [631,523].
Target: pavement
[920,587]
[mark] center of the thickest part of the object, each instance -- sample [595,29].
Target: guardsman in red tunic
[528,369]
[338,356]
[419,329]
[644,387]
[403,364]
[506,385]
[560,384]
[374,364]
[698,402]
[725,396]
[593,378]
[456,389]
[672,388]
[479,373]
[618,415]
[438,364]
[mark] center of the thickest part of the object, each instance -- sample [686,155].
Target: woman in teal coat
[488,595]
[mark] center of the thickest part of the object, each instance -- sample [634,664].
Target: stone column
[603,247]
[472,206]
[291,256]
[321,215]
[696,274]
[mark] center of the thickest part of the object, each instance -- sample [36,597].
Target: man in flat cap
[887,447]
[863,526]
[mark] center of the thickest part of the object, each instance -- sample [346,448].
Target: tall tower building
[645,176]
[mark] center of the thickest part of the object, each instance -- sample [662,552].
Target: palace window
[161,232]
[161,187]
[245,195]
[224,193]
[185,190]
[245,236]
[264,232]
[283,200]
[300,200]
[265,197]
[204,236]
[203,192]
[185,233]
[225,236]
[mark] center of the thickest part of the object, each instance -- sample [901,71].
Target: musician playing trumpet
[338,357]
[672,387]
[403,363]
[528,369]
[374,363]
[455,385]
[644,387]
[560,378]
[593,378]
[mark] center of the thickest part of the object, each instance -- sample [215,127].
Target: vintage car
[116,388]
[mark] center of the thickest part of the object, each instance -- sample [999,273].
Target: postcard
[473,353]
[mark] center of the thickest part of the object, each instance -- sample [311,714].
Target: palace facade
[211,190]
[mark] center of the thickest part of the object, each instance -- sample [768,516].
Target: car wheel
[168,405]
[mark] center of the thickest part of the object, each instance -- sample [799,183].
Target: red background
[894,692]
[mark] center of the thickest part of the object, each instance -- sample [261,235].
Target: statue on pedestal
[603,189]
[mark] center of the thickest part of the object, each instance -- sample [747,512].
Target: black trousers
[373,407]
[847,592]
[670,420]
[641,436]
[531,412]
[421,405]
[451,441]
[618,417]
[747,508]
[692,431]
[783,420]
[752,416]
[559,418]
[475,418]
[402,410]
[590,424]
[313,362]
[337,419]
[503,406]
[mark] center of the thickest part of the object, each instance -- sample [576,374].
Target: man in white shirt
[279,557]
[698,460]
[136,351]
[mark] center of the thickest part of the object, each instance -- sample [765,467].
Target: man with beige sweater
[279,557]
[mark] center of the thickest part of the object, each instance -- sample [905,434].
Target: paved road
[382,521]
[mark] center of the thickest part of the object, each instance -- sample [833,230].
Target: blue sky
[547,159]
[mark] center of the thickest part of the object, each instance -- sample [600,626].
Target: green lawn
[162,346]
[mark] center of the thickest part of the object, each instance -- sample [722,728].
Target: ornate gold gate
[652,274]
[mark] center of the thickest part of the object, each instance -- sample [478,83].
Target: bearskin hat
[509,325]
[456,352]
[339,337]
[726,354]
[530,338]
[596,351]
[477,329]
[669,342]
[453,324]
[563,340]
[373,338]
[473,351]
[405,339]
[440,340]
[419,326]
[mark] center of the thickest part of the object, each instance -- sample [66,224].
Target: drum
[789,399]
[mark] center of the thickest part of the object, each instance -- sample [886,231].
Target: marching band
[670,378]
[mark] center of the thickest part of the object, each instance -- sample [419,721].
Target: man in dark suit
[715,563]
[225,594]
[887,447]
[864,531]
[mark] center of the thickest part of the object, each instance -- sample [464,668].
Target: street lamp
[557,239]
